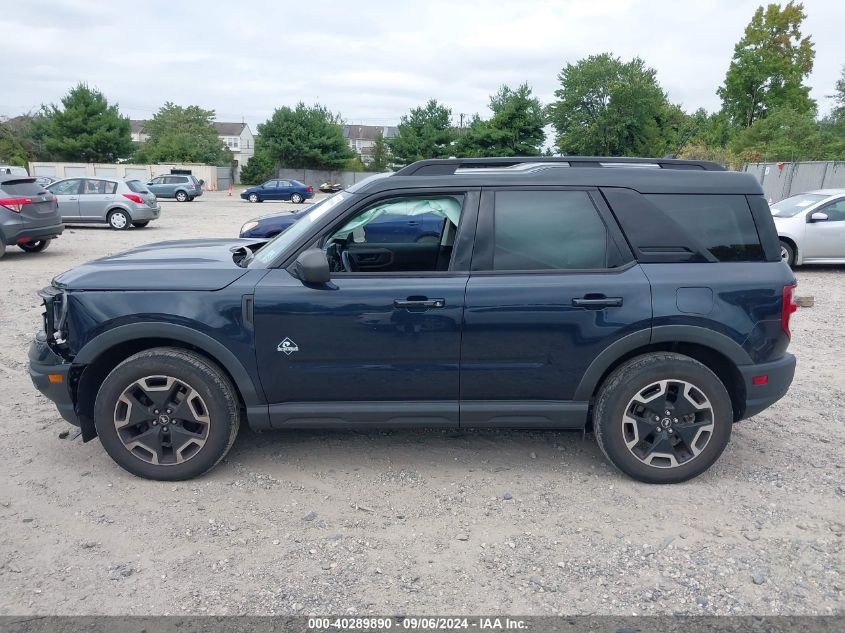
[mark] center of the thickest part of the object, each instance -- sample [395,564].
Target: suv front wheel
[663,418]
[167,414]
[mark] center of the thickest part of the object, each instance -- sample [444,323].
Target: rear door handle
[598,302]
[419,303]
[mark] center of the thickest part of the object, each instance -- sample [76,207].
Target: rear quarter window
[136,186]
[723,224]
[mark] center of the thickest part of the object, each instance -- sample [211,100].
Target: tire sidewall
[611,408]
[201,379]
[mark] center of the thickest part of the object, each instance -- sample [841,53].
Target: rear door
[67,197]
[95,198]
[552,285]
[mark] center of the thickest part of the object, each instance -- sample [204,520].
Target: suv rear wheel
[35,246]
[663,418]
[167,414]
[181,196]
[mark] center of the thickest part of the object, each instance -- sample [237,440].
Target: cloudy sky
[370,61]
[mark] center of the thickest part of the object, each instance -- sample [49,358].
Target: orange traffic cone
[230,189]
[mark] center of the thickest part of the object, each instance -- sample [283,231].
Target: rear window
[137,186]
[723,224]
[23,187]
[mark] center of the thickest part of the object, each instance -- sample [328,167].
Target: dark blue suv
[644,299]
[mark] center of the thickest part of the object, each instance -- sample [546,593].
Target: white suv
[811,227]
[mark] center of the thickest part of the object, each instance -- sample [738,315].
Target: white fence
[207,173]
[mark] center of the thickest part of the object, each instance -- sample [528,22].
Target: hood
[177,265]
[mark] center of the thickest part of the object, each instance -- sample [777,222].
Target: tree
[425,132]
[380,155]
[308,137]
[515,129]
[606,107]
[259,168]
[783,135]
[768,67]
[179,134]
[84,128]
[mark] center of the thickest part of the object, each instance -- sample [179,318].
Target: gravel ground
[416,521]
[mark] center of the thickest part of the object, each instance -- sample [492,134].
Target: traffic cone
[230,189]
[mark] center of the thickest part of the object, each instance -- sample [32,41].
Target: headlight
[248,226]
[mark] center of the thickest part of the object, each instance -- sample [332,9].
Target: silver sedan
[811,227]
[117,202]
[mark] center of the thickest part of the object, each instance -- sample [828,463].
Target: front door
[825,239]
[549,290]
[285,189]
[156,185]
[67,197]
[95,198]
[380,343]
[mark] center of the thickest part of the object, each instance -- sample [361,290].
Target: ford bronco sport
[645,299]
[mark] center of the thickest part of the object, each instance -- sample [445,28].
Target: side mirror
[312,267]
[819,216]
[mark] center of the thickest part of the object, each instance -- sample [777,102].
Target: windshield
[790,207]
[272,249]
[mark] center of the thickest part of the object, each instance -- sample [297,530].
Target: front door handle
[417,303]
[597,302]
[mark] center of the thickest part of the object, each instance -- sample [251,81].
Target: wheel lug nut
[169,411]
[155,411]
[674,419]
[670,430]
[657,418]
[155,422]
[164,428]
[668,412]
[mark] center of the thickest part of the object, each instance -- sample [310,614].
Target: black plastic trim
[530,414]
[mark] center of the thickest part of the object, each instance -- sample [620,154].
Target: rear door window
[723,224]
[547,230]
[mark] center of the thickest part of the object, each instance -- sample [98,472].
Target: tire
[699,437]
[296,198]
[427,239]
[181,196]
[119,219]
[253,197]
[35,246]
[2,249]
[787,253]
[183,382]
[141,224]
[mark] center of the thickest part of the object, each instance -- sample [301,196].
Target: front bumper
[44,363]
[778,374]
[27,234]
[146,213]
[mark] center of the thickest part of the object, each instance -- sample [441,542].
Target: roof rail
[531,164]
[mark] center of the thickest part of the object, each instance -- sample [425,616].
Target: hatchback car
[182,187]
[29,217]
[117,202]
[277,189]
[811,227]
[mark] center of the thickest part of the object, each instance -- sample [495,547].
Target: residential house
[236,136]
[361,138]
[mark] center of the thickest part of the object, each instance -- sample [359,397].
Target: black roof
[640,174]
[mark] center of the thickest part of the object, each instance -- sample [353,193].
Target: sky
[370,61]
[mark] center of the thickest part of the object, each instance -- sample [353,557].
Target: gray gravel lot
[421,521]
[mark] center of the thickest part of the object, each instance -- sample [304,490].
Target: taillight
[309,189]
[15,204]
[788,306]
[134,198]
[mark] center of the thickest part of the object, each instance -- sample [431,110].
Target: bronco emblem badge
[288,347]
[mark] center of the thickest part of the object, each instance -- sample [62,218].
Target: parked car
[29,216]
[13,170]
[45,180]
[811,227]
[387,228]
[279,189]
[645,299]
[182,187]
[117,202]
